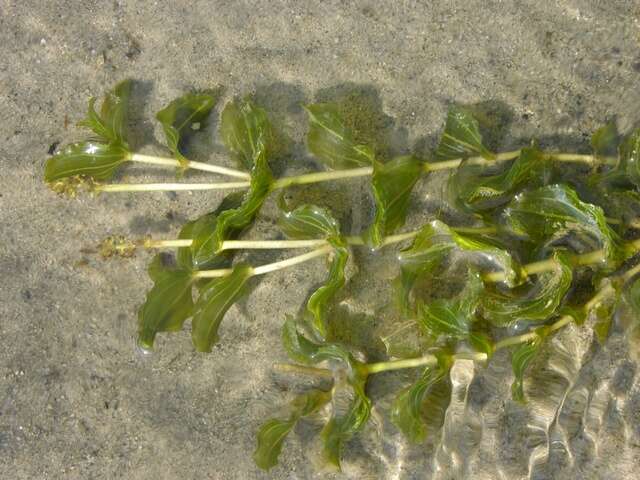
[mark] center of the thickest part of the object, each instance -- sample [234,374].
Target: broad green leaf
[461,137]
[432,390]
[332,142]
[454,318]
[111,123]
[319,301]
[181,116]
[96,160]
[273,432]
[246,132]
[202,253]
[214,301]
[343,425]
[309,222]
[346,420]
[436,241]
[476,191]
[632,296]
[312,222]
[392,184]
[168,304]
[556,210]
[605,140]
[536,303]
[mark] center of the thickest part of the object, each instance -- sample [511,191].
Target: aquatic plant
[542,249]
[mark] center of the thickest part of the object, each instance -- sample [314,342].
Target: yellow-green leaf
[111,123]
[461,137]
[91,159]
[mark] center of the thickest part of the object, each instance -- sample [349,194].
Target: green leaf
[392,184]
[461,137]
[556,210]
[630,156]
[477,191]
[214,301]
[273,432]
[520,360]
[632,296]
[605,140]
[432,390]
[96,160]
[181,116]
[332,142]
[111,123]
[168,304]
[453,317]
[313,222]
[537,303]
[246,132]
[603,308]
[202,253]
[309,222]
[435,242]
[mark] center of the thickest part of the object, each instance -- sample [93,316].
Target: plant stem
[270,267]
[372,368]
[316,176]
[168,187]
[171,162]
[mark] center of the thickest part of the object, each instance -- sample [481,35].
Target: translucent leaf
[392,184]
[202,253]
[179,118]
[111,123]
[350,407]
[214,301]
[605,140]
[431,390]
[630,156]
[309,222]
[246,132]
[461,137]
[556,210]
[453,317]
[273,432]
[602,310]
[520,360]
[332,142]
[536,303]
[632,296]
[96,160]
[313,222]
[474,190]
[168,304]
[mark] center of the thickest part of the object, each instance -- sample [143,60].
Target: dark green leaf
[632,296]
[110,125]
[273,432]
[476,191]
[332,142]
[408,411]
[202,253]
[214,301]
[179,118]
[605,140]
[246,132]
[461,137]
[96,160]
[556,210]
[453,317]
[537,303]
[169,303]
[309,222]
[392,184]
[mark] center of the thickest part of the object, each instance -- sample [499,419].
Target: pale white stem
[171,162]
[270,244]
[168,187]
[322,177]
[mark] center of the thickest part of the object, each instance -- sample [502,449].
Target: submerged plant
[546,250]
